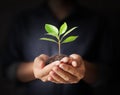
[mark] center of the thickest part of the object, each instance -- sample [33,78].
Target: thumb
[39,61]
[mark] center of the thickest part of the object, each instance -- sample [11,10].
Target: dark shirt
[24,45]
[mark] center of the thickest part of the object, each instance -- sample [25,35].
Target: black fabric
[24,45]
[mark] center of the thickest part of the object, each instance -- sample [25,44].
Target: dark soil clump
[55,58]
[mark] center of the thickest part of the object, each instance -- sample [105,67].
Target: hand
[40,70]
[69,70]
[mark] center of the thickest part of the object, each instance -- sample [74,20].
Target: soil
[55,58]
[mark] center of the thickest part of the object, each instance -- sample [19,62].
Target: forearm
[25,72]
[91,73]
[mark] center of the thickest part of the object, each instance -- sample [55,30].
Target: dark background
[108,8]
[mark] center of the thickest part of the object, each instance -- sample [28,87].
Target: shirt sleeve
[11,54]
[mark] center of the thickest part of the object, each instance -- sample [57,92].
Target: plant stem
[59,48]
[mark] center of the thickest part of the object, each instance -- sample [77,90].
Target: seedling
[59,35]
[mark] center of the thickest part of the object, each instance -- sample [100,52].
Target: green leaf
[69,31]
[70,39]
[51,29]
[63,28]
[48,39]
[54,35]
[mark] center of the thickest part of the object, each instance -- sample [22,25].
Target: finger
[52,80]
[39,61]
[76,58]
[67,60]
[64,60]
[45,71]
[56,77]
[44,57]
[38,64]
[63,74]
[37,67]
[74,63]
[73,71]
[45,78]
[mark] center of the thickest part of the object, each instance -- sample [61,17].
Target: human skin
[69,70]
[66,71]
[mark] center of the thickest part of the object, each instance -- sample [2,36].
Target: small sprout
[59,34]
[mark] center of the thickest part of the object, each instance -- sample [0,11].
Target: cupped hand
[69,70]
[40,69]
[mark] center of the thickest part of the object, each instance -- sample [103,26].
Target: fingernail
[74,63]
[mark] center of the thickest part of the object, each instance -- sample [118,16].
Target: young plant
[59,35]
